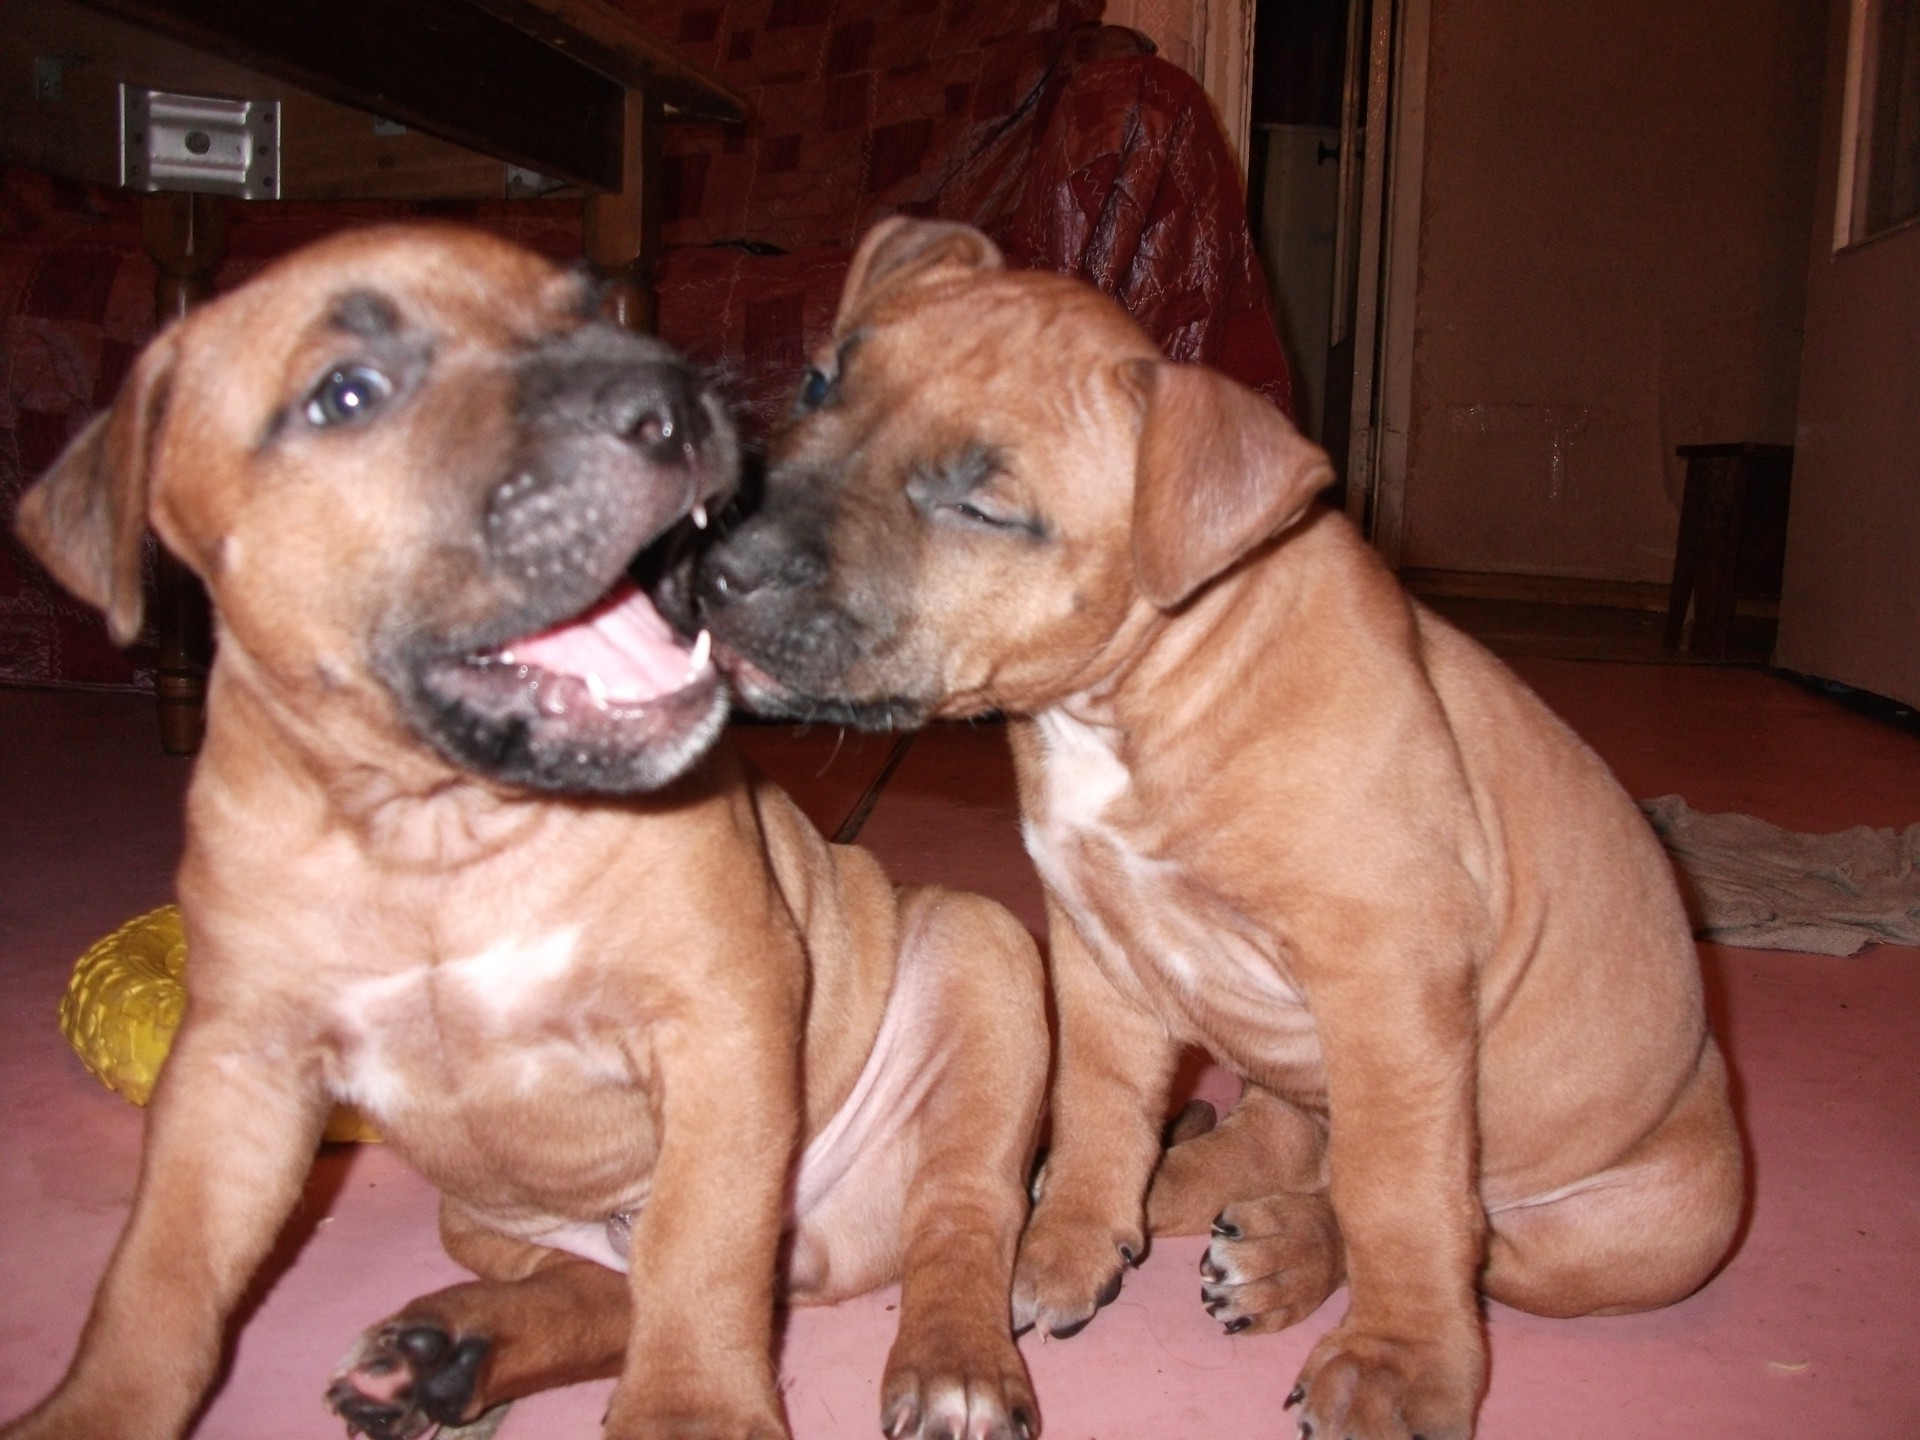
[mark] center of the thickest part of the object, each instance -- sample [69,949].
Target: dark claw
[1234,1327]
[1067,1332]
[1224,1229]
[1306,1430]
[1126,1254]
[1022,1423]
[1211,1271]
[1295,1396]
[371,1418]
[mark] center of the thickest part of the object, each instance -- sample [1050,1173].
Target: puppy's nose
[751,561]
[657,407]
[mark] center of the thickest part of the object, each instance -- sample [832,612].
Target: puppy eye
[814,387]
[975,515]
[348,394]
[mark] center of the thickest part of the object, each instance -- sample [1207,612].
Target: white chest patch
[1084,778]
[1084,772]
[389,1024]
[507,976]
[1151,921]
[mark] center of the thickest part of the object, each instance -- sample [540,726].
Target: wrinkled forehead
[387,279]
[1021,345]
[1020,317]
[372,294]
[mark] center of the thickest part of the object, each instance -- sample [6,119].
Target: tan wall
[1617,200]
[1851,610]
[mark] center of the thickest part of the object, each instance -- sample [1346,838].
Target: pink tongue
[622,641]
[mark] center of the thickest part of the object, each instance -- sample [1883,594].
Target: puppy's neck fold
[451,823]
[314,770]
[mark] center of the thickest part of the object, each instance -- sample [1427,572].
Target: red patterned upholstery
[859,107]
[1065,141]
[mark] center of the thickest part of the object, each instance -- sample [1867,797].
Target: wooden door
[1850,609]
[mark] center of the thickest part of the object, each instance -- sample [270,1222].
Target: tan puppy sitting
[1281,811]
[412,471]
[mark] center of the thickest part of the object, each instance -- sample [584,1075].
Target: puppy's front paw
[404,1377]
[941,1389]
[1368,1387]
[1271,1262]
[1069,1268]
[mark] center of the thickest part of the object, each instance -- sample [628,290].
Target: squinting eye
[814,386]
[348,394]
[974,515]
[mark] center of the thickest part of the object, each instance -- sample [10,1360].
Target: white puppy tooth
[702,651]
[597,688]
[699,517]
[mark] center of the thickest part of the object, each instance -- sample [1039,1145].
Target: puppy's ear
[1219,470]
[902,248]
[86,518]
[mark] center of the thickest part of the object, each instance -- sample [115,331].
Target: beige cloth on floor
[1750,883]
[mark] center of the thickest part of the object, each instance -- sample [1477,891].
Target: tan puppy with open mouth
[458,854]
[1281,811]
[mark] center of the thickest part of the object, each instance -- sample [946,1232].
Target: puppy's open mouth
[619,658]
[614,700]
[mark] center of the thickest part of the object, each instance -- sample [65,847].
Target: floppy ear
[902,248]
[1220,469]
[86,518]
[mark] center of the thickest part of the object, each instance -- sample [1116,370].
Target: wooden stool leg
[1716,578]
[1686,552]
[185,236]
[623,226]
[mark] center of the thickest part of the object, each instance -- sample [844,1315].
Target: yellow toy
[123,1005]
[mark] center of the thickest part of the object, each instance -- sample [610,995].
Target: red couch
[1066,140]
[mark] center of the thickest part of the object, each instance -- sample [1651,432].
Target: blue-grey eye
[814,386]
[348,394]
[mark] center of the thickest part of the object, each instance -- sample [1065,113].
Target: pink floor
[1811,1330]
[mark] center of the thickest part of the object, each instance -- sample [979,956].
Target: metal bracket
[525,184]
[200,143]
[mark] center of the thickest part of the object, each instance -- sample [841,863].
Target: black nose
[597,380]
[659,407]
[756,558]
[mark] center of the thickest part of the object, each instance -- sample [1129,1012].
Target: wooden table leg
[623,226]
[185,236]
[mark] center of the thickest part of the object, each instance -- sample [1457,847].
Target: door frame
[1223,47]
[1213,41]
[1387,270]
[1218,35]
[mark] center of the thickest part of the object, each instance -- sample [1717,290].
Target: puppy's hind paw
[402,1379]
[1271,1262]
